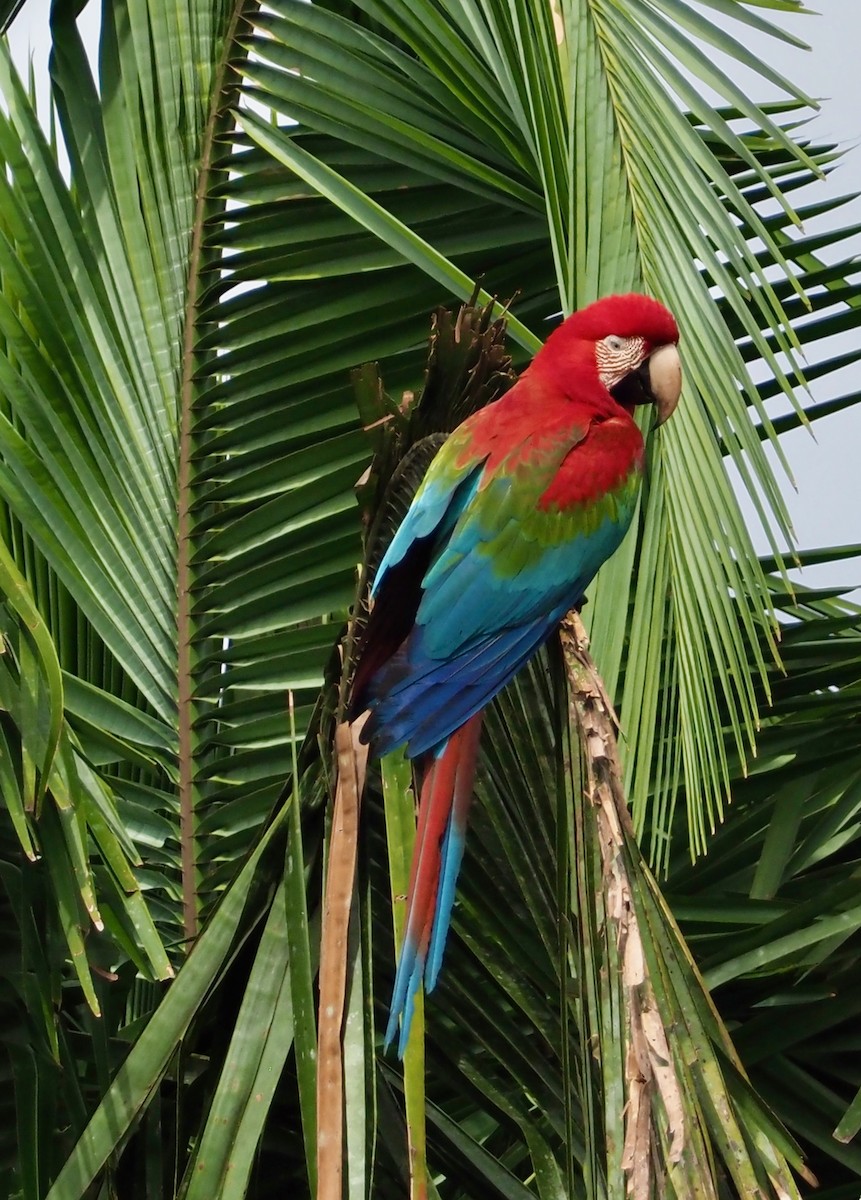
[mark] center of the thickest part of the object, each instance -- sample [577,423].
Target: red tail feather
[445,798]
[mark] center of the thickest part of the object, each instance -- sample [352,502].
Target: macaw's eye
[615,343]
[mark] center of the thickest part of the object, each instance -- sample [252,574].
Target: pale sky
[826,509]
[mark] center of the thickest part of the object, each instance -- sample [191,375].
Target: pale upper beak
[665,380]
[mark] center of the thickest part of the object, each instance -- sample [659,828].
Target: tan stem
[653,1091]
[338,900]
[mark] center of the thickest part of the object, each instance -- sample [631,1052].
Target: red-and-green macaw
[519,509]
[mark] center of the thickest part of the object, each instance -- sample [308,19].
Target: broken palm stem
[668,1069]
[649,1069]
[352,758]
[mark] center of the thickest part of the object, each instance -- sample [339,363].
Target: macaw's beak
[657,380]
[665,381]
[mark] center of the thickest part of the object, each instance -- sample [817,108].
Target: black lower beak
[635,388]
[656,381]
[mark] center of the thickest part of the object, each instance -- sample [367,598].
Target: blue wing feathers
[473,632]
[437,696]
[435,511]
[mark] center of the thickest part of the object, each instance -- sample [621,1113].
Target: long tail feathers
[443,807]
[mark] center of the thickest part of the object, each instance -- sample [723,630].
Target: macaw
[520,507]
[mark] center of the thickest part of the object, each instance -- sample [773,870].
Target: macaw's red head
[621,347]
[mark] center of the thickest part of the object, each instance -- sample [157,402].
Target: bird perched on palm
[522,504]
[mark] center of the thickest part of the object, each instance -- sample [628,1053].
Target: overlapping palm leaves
[534,148]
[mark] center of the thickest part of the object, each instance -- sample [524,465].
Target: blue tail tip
[402,1009]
